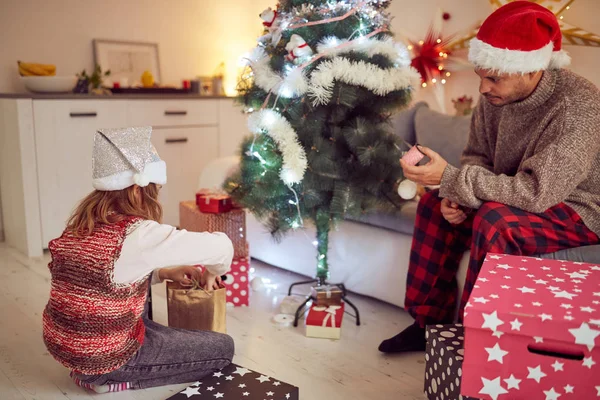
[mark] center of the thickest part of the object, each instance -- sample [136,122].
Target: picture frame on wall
[127,60]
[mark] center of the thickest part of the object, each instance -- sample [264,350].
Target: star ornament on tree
[572,35]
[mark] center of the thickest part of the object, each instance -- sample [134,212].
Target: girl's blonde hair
[109,207]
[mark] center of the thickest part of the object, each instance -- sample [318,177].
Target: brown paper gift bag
[196,309]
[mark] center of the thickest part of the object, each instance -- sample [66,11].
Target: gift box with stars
[236,383]
[443,362]
[532,330]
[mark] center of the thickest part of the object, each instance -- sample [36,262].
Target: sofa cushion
[443,133]
[403,221]
[404,122]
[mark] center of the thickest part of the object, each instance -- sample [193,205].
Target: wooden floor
[349,369]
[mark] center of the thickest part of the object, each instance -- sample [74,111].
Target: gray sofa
[448,136]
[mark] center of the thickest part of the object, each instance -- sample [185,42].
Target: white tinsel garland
[264,77]
[386,47]
[276,126]
[295,83]
[380,81]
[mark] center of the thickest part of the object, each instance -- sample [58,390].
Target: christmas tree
[320,89]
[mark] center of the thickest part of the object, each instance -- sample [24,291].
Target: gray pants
[170,356]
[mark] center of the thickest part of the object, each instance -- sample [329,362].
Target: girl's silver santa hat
[124,157]
[519,37]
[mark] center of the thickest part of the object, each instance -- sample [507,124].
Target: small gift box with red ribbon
[325,322]
[213,201]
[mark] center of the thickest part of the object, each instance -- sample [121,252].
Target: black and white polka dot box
[444,358]
[238,383]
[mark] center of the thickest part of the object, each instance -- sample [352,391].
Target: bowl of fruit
[41,78]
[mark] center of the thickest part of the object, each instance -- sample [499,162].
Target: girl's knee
[226,346]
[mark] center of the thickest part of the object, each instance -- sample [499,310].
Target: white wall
[412,18]
[1,226]
[194,36]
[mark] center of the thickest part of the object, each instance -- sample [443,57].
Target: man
[530,176]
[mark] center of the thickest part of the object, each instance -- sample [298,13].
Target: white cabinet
[64,137]
[173,112]
[46,154]
[186,152]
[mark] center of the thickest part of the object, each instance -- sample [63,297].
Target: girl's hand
[182,275]
[211,281]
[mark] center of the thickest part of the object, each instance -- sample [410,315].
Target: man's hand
[428,174]
[210,281]
[452,212]
[182,275]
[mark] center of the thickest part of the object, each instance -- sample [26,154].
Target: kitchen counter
[74,96]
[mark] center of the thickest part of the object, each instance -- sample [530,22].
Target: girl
[95,322]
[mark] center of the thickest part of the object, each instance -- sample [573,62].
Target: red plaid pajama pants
[438,246]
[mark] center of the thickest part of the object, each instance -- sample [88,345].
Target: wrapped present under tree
[232,223]
[327,295]
[237,283]
[213,202]
[325,322]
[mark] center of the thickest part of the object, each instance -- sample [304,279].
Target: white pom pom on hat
[141,179]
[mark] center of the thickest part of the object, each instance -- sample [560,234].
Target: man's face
[502,89]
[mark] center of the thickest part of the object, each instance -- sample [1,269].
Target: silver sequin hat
[124,157]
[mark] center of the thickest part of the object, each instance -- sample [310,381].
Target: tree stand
[301,310]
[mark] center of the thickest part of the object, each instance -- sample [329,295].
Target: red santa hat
[519,37]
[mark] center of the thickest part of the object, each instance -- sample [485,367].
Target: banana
[39,69]
[34,69]
[24,72]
